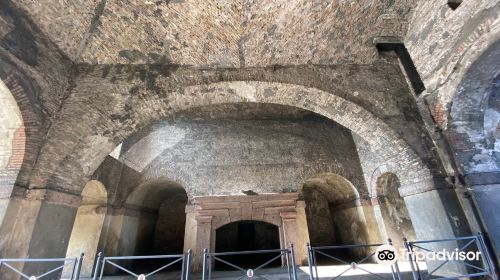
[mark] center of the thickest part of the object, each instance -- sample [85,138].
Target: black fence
[168,261]
[56,266]
[286,256]
[365,263]
[467,257]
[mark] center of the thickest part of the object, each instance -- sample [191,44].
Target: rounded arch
[387,185]
[88,226]
[153,192]
[154,219]
[474,117]
[28,137]
[382,139]
[337,189]
[335,211]
[95,193]
[12,144]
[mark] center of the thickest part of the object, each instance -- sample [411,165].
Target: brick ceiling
[218,33]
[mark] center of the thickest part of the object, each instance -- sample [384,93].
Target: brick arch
[147,109]
[476,95]
[28,137]
[381,170]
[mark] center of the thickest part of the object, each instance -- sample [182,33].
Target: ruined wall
[229,157]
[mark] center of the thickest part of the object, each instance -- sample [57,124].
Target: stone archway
[154,219]
[415,175]
[206,214]
[88,226]
[335,209]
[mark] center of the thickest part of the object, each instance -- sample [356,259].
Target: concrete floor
[325,272]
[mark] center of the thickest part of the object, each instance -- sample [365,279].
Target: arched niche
[154,219]
[336,215]
[322,193]
[396,222]
[88,226]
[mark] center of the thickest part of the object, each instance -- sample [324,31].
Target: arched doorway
[247,236]
[395,217]
[153,221]
[88,226]
[335,214]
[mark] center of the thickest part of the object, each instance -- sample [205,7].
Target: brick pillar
[37,224]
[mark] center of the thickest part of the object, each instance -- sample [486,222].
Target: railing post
[97,266]
[204,261]
[486,256]
[188,264]
[183,266]
[294,269]
[309,261]
[395,266]
[410,258]
[78,267]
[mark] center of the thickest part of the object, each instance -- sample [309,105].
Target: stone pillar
[203,240]
[292,234]
[303,233]
[37,224]
[190,229]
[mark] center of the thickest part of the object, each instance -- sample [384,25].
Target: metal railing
[336,253]
[287,257]
[184,259]
[75,263]
[483,266]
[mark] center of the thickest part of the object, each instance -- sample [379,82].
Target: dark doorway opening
[247,236]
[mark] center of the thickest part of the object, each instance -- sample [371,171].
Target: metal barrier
[184,259]
[471,270]
[76,264]
[286,255]
[334,255]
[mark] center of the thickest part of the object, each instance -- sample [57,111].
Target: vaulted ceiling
[218,33]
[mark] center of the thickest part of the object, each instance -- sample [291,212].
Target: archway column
[295,231]
[38,224]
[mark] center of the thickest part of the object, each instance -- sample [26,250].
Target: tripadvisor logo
[386,254]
